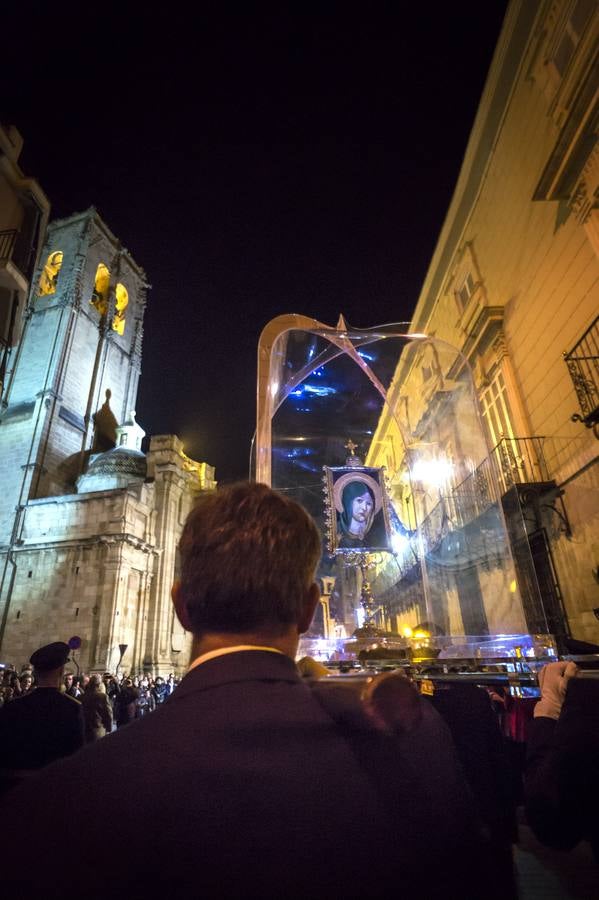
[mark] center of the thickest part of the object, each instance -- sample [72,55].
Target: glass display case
[378,434]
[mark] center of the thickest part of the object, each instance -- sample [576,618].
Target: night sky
[298,159]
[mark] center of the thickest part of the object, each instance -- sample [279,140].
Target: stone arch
[121,303]
[99,298]
[49,276]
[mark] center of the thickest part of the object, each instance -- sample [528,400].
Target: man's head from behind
[248,559]
[48,663]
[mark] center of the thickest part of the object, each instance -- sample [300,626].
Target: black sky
[254,163]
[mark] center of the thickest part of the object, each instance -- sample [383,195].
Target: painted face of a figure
[362,508]
[359,505]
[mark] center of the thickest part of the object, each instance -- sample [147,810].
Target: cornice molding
[97,540]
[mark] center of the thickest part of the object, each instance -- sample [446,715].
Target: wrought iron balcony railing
[7,243]
[520,461]
[512,462]
[18,248]
[583,365]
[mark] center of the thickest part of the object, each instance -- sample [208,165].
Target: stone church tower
[88,523]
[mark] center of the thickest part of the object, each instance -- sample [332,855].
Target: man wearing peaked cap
[42,726]
[52,656]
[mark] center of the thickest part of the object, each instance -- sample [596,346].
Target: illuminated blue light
[297,452]
[319,391]
[308,467]
[315,389]
[366,356]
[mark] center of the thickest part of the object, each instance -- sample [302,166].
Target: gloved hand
[553,681]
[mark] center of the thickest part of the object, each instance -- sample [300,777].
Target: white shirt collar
[212,654]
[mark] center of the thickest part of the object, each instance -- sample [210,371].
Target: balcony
[16,261]
[7,243]
[515,475]
[583,365]
[520,461]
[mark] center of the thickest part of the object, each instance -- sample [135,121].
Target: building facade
[514,285]
[88,523]
[24,211]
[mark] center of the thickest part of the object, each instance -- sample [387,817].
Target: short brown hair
[248,555]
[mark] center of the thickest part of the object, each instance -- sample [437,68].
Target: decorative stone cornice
[98,540]
[499,346]
[171,476]
[487,324]
[586,192]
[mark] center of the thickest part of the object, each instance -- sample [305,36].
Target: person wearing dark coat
[125,704]
[467,711]
[97,711]
[160,691]
[254,786]
[43,725]
[71,686]
[562,767]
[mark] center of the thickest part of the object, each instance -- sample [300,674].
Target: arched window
[49,276]
[99,298]
[122,299]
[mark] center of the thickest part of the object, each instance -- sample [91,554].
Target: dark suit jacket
[562,771]
[469,715]
[240,785]
[38,728]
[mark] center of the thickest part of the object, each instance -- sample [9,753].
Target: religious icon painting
[357,509]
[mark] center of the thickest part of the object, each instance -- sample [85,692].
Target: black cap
[52,656]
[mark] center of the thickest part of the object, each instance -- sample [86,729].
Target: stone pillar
[166,464]
[177,481]
[102,655]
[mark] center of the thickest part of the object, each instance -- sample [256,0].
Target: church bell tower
[75,372]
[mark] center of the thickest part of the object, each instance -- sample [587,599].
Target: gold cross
[351,446]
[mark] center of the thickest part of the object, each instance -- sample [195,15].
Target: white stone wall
[535,270]
[80,569]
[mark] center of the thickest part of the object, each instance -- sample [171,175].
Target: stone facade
[89,524]
[514,284]
[24,211]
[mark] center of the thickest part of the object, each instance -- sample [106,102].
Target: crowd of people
[108,701]
[259,781]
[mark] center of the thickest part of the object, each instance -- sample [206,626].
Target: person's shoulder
[343,704]
[54,697]
[10,710]
[60,703]
[71,699]
[19,705]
